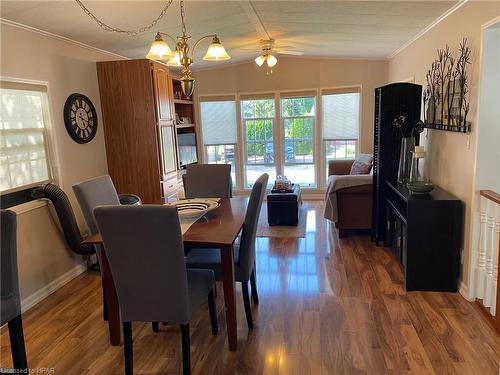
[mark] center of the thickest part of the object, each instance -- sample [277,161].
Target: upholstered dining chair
[98,191]
[244,250]
[153,284]
[10,301]
[207,181]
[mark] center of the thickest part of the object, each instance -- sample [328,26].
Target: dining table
[217,229]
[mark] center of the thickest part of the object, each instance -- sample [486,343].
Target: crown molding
[429,27]
[8,22]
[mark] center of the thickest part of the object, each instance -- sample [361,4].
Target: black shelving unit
[448,128]
[390,101]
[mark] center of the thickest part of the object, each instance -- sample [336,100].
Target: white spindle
[489,299]
[496,250]
[487,248]
[481,258]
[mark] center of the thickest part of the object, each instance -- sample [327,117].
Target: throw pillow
[358,167]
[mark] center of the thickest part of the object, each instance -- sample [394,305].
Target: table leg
[109,291]
[229,296]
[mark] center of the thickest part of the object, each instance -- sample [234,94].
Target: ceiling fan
[268,52]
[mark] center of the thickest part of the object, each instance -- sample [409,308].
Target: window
[340,108]
[218,123]
[258,123]
[298,119]
[24,159]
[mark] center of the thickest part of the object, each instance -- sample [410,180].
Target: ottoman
[283,208]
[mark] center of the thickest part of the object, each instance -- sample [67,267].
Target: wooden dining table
[219,229]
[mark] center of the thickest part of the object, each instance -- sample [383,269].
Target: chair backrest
[247,244]
[145,251]
[98,191]
[207,181]
[10,302]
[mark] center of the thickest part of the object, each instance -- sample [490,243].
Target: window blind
[218,122]
[23,149]
[341,116]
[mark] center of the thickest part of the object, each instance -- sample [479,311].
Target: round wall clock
[80,118]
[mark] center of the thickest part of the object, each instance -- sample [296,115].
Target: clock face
[80,118]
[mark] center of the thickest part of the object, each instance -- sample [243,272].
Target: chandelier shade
[216,51]
[175,60]
[159,49]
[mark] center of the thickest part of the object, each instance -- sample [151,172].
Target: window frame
[21,194]
[204,147]
[323,175]
[316,128]
[243,139]
[319,149]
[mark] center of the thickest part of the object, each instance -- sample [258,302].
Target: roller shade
[341,90]
[341,116]
[298,94]
[218,122]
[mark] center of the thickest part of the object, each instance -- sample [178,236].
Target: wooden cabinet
[138,116]
[163,95]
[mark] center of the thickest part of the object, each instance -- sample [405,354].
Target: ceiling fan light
[260,60]
[271,61]
[216,51]
[159,49]
[175,60]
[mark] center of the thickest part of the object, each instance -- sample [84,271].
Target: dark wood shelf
[449,128]
[183,126]
[183,101]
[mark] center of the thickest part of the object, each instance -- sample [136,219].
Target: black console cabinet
[390,101]
[424,233]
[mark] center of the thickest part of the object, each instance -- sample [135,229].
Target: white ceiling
[358,29]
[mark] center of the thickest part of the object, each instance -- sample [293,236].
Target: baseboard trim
[463,289]
[30,301]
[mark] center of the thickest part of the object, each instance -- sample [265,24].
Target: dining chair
[97,191]
[207,181]
[10,301]
[244,250]
[146,257]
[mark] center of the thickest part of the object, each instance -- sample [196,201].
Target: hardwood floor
[326,307]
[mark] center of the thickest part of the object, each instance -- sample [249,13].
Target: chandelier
[181,56]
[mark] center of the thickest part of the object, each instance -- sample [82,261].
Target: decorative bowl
[420,188]
[188,208]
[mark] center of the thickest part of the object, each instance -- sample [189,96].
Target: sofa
[349,198]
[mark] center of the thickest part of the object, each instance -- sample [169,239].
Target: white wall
[488,150]
[44,259]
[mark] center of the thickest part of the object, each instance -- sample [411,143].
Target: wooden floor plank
[327,306]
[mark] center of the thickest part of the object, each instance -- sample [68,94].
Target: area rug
[265,230]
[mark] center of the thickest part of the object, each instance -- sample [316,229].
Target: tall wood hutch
[138,109]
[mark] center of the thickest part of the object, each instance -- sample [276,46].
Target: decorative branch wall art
[446,103]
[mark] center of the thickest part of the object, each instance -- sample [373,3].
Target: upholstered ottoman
[283,208]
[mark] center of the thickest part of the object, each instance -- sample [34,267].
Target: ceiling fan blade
[285,52]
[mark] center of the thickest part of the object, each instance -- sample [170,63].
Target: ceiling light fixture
[161,51]
[180,57]
[268,58]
